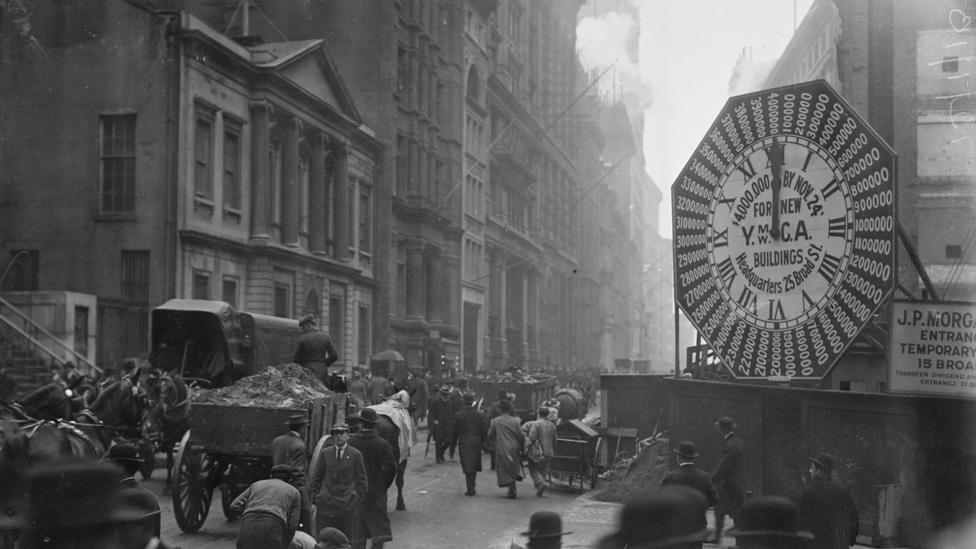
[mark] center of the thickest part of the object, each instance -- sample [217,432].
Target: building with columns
[148,156]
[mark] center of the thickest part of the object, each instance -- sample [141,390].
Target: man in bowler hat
[471,436]
[315,350]
[729,477]
[440,419]
[372,519]
[827,508]
[769,522]
[672,517]
[126,457]
[688,474]
[545,531]
[270,510]
[289,449]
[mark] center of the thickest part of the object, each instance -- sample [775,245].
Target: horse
[395,425]
[167,419]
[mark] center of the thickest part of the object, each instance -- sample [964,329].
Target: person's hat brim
[551,535]
[799,534]
[683,454]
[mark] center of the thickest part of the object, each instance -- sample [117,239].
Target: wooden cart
[529,396]
[576,456]
[230,446]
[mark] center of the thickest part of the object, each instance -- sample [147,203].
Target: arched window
[474,85]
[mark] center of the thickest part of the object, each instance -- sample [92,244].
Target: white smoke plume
[607,40]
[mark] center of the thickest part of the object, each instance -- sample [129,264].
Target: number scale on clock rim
[784,231]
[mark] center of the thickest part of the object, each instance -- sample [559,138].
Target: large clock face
[784,231]
[779,231]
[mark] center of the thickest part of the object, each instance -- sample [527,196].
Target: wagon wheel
[312,468]
[192,490]
[228,492]
[595,464]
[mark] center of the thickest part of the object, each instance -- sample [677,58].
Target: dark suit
[688,474]
[729,479]
[338,487]
[471,437]
[440,421]
[289,449]
[827,509]
[316,352]
[130,483]
[373,520]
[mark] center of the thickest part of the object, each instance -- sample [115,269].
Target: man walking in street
[315,350]
[507,441]
[457,391]
[339,484]
[827,508]
[540,443]
[729,477]
[270,511]
[441,421]
[471,437]
[372,520]
[289,449]
[688,473]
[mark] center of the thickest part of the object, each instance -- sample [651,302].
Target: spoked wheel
[228,492]
[192,490]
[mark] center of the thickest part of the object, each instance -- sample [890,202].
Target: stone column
[341,193]
[524,304]
[412,168]
[415,278]
[423,183]
[316,194]
[436,289]
[260,146]
[291,196]
[452,287]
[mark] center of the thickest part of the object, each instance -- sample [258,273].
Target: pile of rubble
[632,474]
[282,386]
[517,377]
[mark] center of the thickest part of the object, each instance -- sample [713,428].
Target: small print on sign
[933,348]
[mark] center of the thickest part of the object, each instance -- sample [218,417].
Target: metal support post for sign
[677,339]
[919,267]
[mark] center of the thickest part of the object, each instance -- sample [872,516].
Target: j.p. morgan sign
[933,348]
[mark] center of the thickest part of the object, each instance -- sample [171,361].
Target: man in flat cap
[270,510]
[688,473]
[339,482]
[315,350]
[540,445]
[827,507]
[289,449]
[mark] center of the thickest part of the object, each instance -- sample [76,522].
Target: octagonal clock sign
[784,231]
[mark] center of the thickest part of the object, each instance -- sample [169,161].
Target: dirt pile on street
[517,377]
[631,475]
[281,386]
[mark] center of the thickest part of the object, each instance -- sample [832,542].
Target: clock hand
[775,154]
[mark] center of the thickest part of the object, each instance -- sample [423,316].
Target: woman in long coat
[470,435]
[506,439]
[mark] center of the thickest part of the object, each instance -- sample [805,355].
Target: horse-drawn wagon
[530,393]
[229,445]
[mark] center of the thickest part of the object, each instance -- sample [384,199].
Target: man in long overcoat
[729,477]
[339,484]
[507,441]
[373,521]
[471,436]
[440,421]
[688,473]
[827,508]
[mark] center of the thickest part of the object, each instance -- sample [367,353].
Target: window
[201,285]
[21,271]
[336,310]
[118,163]
[282,300]
[202,154]
[365,222]
[950,64]
[135,276]
[953,251]
[401,166]
[232,164]
[363,335]
[228,291]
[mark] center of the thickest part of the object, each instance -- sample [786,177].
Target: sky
[687,51]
